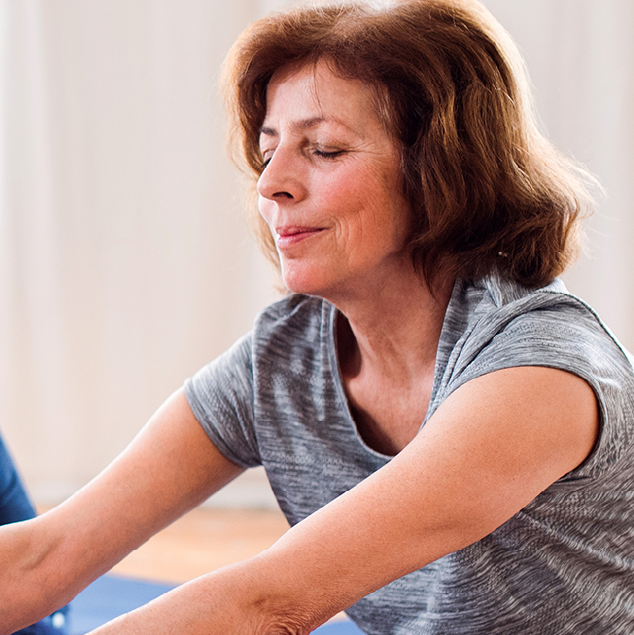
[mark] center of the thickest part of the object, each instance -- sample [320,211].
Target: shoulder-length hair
[487,191]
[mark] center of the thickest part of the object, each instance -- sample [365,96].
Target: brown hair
[488,192]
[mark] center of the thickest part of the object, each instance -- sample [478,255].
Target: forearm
[26,555]
[169,468]
[46,561]
[318,568]
[247,598]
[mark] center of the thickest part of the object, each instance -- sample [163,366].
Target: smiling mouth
[289,236]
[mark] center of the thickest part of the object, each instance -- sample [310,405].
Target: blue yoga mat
[110,596]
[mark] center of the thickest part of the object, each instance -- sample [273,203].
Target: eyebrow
[304,124]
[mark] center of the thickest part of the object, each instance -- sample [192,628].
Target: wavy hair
[488,191]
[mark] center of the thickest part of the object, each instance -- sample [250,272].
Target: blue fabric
[339,628]
[14,501]
[107,598]
[110,596]
[55,624]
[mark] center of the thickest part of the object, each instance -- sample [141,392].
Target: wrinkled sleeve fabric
[221,398]
[568,337]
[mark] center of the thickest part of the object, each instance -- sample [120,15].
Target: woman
[419,221]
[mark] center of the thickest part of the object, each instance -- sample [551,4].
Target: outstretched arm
[170,467]
[489,450]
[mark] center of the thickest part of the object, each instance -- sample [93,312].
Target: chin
[303,287]
[303,282]
[319,276]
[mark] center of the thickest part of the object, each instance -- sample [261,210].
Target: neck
[393,330]
[387,343]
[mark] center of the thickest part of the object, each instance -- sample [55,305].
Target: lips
[289,236]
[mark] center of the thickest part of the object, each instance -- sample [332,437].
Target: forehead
[312,93]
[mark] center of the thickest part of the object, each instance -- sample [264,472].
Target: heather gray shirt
[563,565]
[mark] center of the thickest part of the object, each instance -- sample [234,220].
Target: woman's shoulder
[550,310]
[512,326]
[505,324]
[548,327]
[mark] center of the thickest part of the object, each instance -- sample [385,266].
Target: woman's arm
[493,446]
[170,467]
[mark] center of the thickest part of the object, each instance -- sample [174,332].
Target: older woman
[448,431]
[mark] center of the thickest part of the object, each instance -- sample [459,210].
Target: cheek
[372,200]
[348,192]
[338,188]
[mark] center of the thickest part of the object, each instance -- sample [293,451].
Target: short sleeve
[221,398]
[568,338]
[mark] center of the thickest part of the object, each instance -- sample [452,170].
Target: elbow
[274,616]
[257,597]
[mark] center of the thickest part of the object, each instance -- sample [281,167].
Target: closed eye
[324,154]
[266,159]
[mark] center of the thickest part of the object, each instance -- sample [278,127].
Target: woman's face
[331,189]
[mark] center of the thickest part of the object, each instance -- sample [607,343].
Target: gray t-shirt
[562,565]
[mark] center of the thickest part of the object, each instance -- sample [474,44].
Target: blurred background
[125,258]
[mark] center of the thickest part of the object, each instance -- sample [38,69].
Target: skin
[489,449]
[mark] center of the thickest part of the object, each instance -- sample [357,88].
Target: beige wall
[126,259]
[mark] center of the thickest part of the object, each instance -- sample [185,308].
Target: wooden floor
[201,541]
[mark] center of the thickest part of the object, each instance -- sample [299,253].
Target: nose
[282,178]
